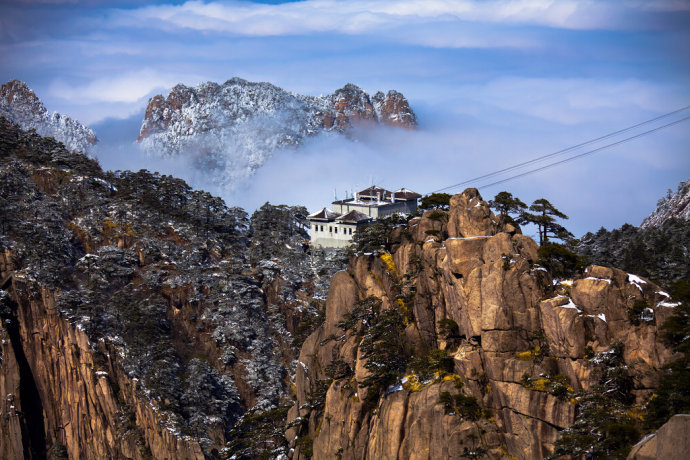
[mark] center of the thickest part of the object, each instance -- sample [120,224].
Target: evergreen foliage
[258,435]
[376,237]
[435,201]
[449,331]
[604,427]
[153,272]
[507,205]
[560,261]
[544,217]
[661,254]
[435,361]
[272,227]
[464,406]
[383,346]
[383,343]
[673,394]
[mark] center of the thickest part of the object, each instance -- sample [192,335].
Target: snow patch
[570,303]
[598,279]
[392,389]
[468,237]
[668,304]
[646,438]
[636,280]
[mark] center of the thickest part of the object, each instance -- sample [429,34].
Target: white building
[334,228]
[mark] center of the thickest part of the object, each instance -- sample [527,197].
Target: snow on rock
[569,304]
[636,280]
[673,205]
[231,129]
[22,107]
[598,279]
[668,304]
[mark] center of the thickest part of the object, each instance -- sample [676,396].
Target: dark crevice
[33,426]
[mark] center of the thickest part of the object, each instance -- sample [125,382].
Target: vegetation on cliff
[184,298]
[494,347]
[660,253]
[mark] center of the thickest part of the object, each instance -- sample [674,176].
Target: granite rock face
[469,287]
[140,318]
[671,441]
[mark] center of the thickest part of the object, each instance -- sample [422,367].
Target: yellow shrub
[390,263]
[452,378]
[529,355]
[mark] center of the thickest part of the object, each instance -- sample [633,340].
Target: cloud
[573,101]
[386,17]
[126,87]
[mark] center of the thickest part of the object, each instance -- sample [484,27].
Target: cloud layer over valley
[493,84]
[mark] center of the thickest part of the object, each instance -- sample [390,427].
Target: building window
[350,231]
[322,228]
[336,230]
[330,229]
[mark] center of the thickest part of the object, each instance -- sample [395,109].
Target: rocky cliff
[21,106]
[141,318]
[232,128]
[453,342]
[672,206]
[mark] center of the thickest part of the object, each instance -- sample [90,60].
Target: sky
[494,83]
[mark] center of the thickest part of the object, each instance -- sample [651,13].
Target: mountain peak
[235,126]
[17,89]
[22,107]
[673,205]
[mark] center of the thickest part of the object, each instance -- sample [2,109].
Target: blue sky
[493,82]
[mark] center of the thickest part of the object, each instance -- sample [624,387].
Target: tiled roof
[354,216]
[375,191]
[324,214]
[406,194]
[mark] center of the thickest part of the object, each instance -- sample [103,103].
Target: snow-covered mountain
[232,129]
[676,205]
[21,106]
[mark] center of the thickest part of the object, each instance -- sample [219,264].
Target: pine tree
[506,204]
[435,201]
[544,217]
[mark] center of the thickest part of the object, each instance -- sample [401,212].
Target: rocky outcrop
[520,344]
[672,206]
[670,442]
[140,318]
[21,106]
[210,106]
[231,129]
[73,390]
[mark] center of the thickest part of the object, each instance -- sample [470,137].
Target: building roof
[324,214]
[375,192]
[406,194]
[354,216]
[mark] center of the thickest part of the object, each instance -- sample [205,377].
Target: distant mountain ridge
[671,206]
[234,127]
[658,249]
[21,106]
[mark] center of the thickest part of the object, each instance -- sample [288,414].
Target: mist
[607,189]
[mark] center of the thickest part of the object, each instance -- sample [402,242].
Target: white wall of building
[331,234]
